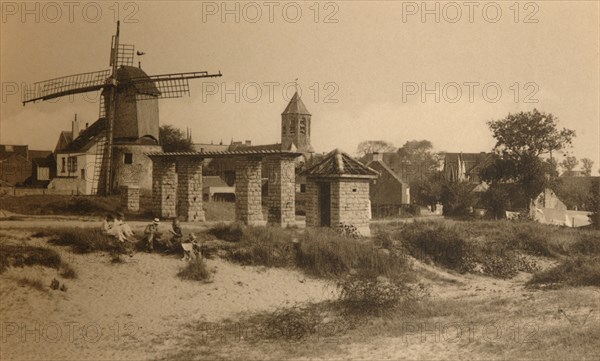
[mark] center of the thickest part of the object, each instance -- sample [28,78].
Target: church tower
[295,126]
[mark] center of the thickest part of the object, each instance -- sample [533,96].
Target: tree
[420,153]
[173,140]
[569,163]
[457,198]
[531,133]
[374,146]
[520,141]
[587,165]
[427,191]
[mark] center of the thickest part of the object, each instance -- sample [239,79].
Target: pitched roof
[340,164]
[87,137]
[39,153]
[296,106]
[387,169]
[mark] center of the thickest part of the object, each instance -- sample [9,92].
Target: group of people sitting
[116,227]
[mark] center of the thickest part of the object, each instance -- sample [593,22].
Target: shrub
[324,253]
[295,323]
[439,243]
[15,255]
[587,244]
[363,294]
[195,270]
[575,271]
[229,233]
[84,240]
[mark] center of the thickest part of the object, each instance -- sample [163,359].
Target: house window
[72,165]
[128,158]
[302,188]
[293,126]
[83,174]
[303,126]
[283,129]
[63,165]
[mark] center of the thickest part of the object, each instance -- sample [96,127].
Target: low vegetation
[24,255]
[32,283]
[499,249]
[195,270]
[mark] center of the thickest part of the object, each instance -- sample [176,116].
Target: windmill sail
[167,85]
[67,85]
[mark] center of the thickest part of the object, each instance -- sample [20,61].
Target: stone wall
[139,173]
[352,198]
[164,188]
[248,193]
[130,198]
[282,191]
[189,190]
[313,212]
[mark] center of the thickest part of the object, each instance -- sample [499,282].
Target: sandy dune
[131,310]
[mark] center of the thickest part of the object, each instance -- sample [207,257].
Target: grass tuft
[195,270]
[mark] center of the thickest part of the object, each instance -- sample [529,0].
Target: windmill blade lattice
[66,85]
[167,85]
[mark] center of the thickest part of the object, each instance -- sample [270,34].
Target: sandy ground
[131,310]
[141,310]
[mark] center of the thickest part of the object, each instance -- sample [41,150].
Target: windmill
[122,87]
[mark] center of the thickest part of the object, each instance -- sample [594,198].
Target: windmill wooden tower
[128,103]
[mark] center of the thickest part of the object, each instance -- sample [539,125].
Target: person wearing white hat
[151,233]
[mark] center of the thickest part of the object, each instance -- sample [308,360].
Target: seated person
[151,233]
[177,235]
[191,249]
[125,228]
[110,227]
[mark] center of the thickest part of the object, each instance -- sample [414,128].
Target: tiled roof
[387,169]
[340,164]
[224,154]
[296,106]
[259,148]
[87,137]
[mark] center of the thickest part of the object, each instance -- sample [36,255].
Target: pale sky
[374,58]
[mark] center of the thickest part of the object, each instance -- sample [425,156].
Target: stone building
[177,185]
[337,193]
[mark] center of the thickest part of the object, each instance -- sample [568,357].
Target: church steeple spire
[296,125]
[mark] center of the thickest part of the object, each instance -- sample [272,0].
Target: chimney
[75,127]
[248,142]
[86,125]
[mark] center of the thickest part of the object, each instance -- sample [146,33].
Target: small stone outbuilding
[338,193]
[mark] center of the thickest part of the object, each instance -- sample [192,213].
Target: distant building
[465,166]
[387,192]
[76,162]
[16,166]
[406,170]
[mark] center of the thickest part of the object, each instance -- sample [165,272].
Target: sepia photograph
[300,180]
